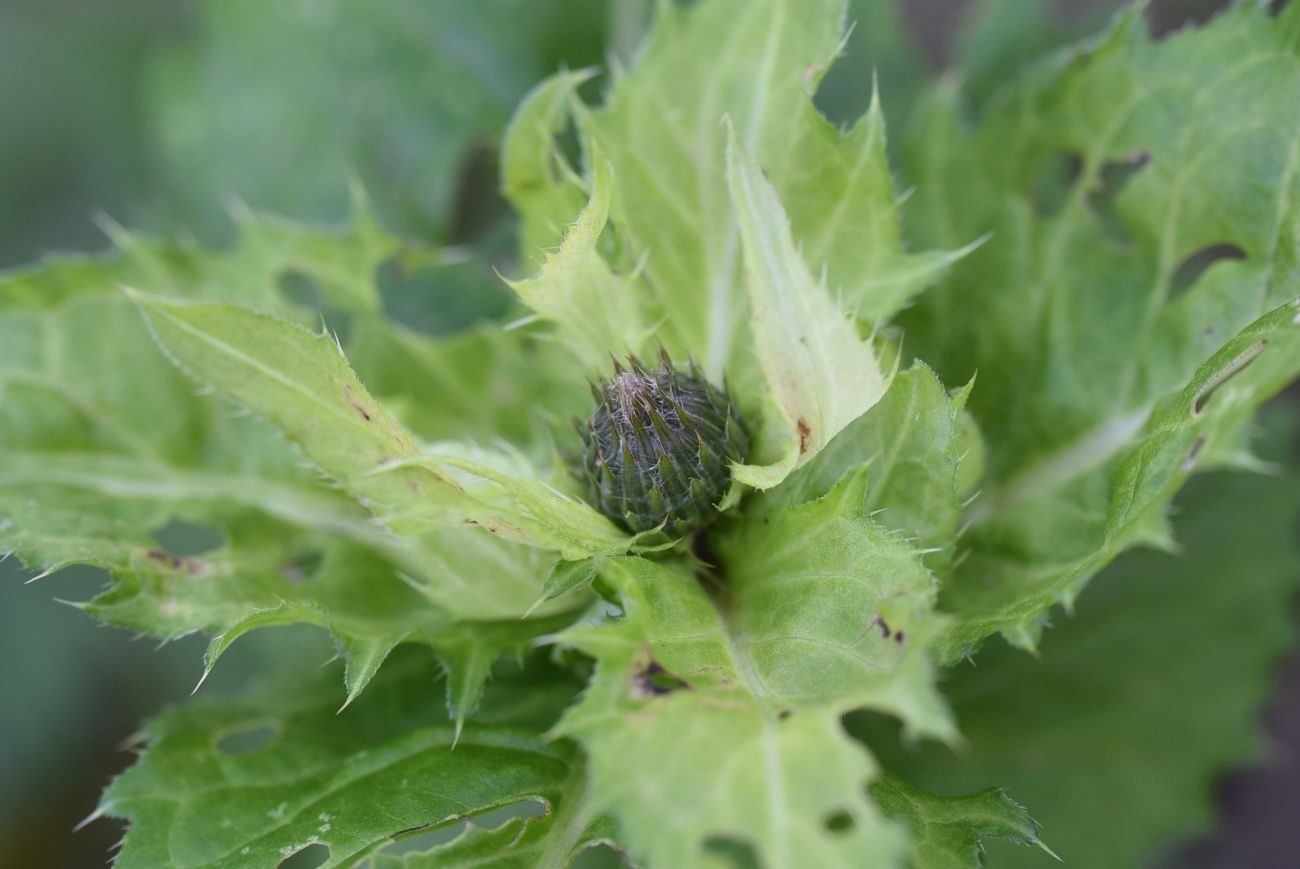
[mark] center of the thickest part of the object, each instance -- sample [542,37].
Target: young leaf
[913,446]
[821,374]
[535,175]
[595,311]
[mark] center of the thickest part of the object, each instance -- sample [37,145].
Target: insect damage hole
[655,681]
[1234,367]
[425,837]
[182,539]
[1050,188]
[315,854]
[1112,178]
[838,822]
[1189,271]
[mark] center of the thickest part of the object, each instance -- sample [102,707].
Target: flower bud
[658,447]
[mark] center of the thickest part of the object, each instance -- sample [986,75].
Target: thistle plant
[883,456]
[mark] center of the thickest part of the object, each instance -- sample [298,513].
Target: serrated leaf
[839,193]
[567,576]
[755,63]
[912,445]
[1103,174]
[595,311]
[949,832]
[302,382]
[1150,690]
[105,443]
[535,174]
[717,718]
[351,781]
[821,373]
[1129,491]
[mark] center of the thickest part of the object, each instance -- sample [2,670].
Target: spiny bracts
[658,447]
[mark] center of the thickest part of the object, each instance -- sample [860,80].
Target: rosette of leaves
[396,489]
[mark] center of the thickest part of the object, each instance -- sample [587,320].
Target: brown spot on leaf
[884,627]
[191,566]
[805,435]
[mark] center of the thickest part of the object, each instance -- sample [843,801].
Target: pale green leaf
[756,63]
[595,311]
[1074,516]
[535,175]
[821,373]
[840,196]
[912,445]
[717,717]
[302,382]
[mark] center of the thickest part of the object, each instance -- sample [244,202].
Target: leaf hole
[478,204]
[493,819]
[424,838]
[315,854]
[1167,17]
[1234,367]
[182,539]
[440,297]
[1052,183]
[301,289]
[1190,270]
[302,568]
[600,855]
[1114,176]
[1194,454]
[839,822]
[739,854]
[298,288]
[654,681]
[248,740]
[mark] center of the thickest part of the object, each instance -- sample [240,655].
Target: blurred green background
[158,114]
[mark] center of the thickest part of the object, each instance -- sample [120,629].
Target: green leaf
[949,832]
[1150,691]
[536,176]
[1047,543]
[516,844]
[595,311]
[718,717]
[1088,312]
[202,795]
[302,382]
[840,195]
[755,63]
[912,445]
[106,443]
[820,372]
